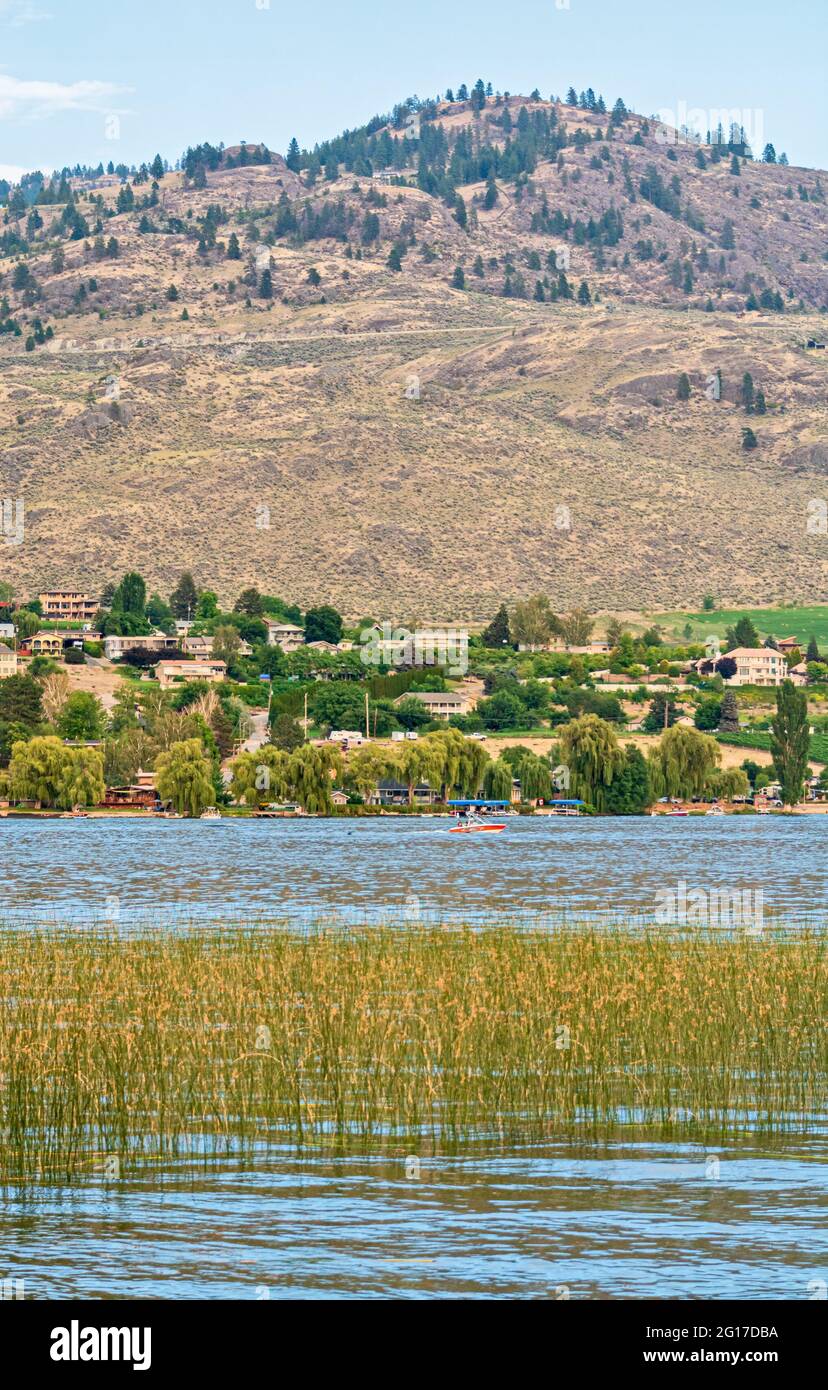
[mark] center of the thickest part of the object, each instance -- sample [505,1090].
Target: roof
[435,697]
[5,651]
[741,653]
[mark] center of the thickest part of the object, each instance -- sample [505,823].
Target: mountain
[313,419]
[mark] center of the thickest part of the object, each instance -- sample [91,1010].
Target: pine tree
[233,248]
[293,158]
[584,296]
[157,167]
[394,261]
[747,392]
[760,405]
[683,388]
[812,653]
[184,597]
[266,285]
[458,279]
[729,714]
[497,633]
[749,440]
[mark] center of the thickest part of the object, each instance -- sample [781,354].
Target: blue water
[635,1218]
[175,871]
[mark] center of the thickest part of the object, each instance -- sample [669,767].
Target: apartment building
[67,606]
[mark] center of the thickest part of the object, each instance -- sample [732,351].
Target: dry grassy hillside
[273,441]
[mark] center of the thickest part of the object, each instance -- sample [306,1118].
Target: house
[786,645]
[67,605]
[388,792]
[46,643]
[759,666]
[168,672]
[116,648]
[8,662]
[440,704]
[339,798]
[143,792]
[285,635]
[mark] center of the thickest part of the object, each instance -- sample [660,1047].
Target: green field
[800,622]
[760,739]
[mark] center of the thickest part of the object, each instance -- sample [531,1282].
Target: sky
[83,81]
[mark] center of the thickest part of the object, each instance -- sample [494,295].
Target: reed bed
[207,1041]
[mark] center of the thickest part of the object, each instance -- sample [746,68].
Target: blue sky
[89,80]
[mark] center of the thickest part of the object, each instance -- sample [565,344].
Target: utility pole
[306,716]
[367,718]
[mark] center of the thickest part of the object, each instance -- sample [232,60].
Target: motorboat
[473,817]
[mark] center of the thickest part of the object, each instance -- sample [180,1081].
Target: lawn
[800,622]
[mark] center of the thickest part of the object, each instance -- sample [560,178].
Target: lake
[161,872]
[637,1215]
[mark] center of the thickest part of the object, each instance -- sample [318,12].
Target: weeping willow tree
[728,782]
[310,772]
[418,764]
[462,761]
[184,776]
[589,750]
[497,781]
[367,767]
[535,778]
[260,777]
[82,781]
[37,770]
[682,762]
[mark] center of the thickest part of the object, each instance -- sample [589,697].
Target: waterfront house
[389,792]
[339,798]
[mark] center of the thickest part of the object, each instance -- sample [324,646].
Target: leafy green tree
[629,792]
[160,614]
[790,740]
[184,776]
[323,624]
[532,622]
[412,713]
[707,715]
[286,733]
[250,602]
[82,717]
[20,701]
[226,644]
[663,714]
[130,597]
[504,710]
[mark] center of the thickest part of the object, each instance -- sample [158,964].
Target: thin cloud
[36,100]
[13,173]
[16,13]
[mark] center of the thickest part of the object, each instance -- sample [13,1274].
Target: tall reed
[189,1043]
